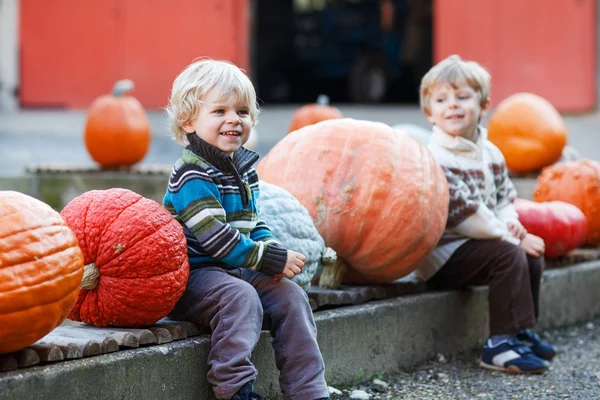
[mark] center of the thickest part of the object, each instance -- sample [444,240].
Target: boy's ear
[487,104]
[485,108]
[188,128]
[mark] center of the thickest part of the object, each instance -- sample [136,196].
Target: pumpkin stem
[91,277]
[323,100]
[121,87]
[334,269]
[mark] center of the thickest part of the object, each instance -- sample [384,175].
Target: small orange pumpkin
[310,114]
[577,183]
[529,131]
[41,266]
[117,131]
[376,195]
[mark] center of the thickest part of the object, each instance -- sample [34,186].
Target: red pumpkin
[310,114]
[41,266]
[377,196]
[117,131]
[529,131]
[577,183]
[562,225]
[136,264]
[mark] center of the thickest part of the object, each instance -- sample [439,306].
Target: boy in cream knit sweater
[484,243]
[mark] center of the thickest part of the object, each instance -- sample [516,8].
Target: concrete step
[357,342]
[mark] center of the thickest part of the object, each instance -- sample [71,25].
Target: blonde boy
[484,243]
[236,263]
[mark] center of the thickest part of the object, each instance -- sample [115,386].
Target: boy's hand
[516,229]
[533,245]
[293,265]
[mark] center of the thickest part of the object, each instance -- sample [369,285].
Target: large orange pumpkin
[41,266]
[310,114]
[117,131]
[528,131]
[577,183]
[377,196]
[136,264]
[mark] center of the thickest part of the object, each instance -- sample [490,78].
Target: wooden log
[177,330]
[107,343]
[161,334]
[85,346]
[123,338]
[8,362]
[27,357]
[143,336]
[191,329]
[48,353]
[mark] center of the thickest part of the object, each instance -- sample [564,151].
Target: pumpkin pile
[562,225]
[529,132]
[310,114]
[376,195]
[576,183]
[117,131]
[41,266]
[136,264]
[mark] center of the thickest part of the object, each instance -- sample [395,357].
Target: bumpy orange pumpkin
[528,131]
[136,264]
[117,131]
[577,183]
[41,266]
[310,114]
[377,196]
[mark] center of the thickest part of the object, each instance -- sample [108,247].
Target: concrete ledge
[57,186]
[357,342]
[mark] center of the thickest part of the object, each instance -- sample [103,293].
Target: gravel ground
[574,374]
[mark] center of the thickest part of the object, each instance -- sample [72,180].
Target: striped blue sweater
[213,196]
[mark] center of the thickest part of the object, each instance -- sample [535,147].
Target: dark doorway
[360,51]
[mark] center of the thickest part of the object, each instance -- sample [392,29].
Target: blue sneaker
[511,356]
[247,392]
[541,349]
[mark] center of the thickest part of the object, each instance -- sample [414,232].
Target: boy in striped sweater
[484,243]
[236,264]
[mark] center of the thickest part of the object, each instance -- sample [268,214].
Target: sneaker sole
[512,369]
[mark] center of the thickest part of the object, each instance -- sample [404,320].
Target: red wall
[547,47]
[75,50]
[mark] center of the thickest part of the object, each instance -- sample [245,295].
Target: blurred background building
[64,53]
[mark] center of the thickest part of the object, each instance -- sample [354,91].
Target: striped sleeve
[261,231]
[197,203]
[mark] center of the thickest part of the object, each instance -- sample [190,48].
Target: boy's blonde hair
[196,81]
[454,70]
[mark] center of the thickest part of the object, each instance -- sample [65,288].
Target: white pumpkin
[293,227]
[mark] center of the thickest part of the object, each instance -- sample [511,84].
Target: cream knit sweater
[481,195]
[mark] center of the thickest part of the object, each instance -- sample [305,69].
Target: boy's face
[456,110]
[223,123]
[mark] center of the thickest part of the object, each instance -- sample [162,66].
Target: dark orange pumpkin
[562,225]
[376,195]
[41,266]
[310,114]
[117,131]
[136,264]
[528,131]
[577,183]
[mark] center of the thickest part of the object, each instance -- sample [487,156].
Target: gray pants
[232,304]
